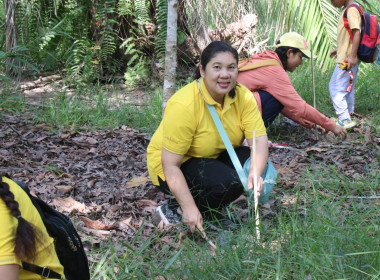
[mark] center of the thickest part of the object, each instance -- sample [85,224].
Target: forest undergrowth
[84,150]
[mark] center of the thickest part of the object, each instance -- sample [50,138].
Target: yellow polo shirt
[188,129]
[45,256]
[344,42]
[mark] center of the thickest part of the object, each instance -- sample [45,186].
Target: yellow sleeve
[178,128]
[354,18]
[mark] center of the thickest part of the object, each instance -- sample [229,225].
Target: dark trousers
[214,183]
[270,107]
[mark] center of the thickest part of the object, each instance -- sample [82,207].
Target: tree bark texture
[10,30]
[170,53]
[10,26]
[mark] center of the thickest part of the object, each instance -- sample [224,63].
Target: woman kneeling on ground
[24,239]
[186,156]
[273,89]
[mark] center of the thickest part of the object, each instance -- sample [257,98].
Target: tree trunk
[10,31]
[170,53]
[235,33]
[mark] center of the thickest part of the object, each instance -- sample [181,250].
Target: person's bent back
[273,89]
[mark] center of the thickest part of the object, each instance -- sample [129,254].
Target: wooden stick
[313,78]
[255,194]
[210,243]
[204,236]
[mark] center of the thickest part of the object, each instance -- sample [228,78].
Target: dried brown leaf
[137,181]
[64,189]
[68,205]
[93,224]
[128,223]
[96,224]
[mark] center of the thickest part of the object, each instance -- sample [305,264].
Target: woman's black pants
[214,183]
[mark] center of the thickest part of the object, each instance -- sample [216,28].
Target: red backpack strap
[345,20]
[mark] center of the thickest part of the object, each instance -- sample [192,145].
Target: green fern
[136,13]
[108,35]
[17,58]
[84,62]
[125,7]
[61,34]
[161,17]
[142,11]
[138,74]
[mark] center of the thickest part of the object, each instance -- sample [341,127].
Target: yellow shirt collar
[208,98]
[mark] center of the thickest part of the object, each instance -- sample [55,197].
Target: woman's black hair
[26,236]
[210,52]
[282,54]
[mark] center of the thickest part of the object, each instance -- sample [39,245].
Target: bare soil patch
[41,90]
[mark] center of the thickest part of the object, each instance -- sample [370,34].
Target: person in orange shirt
[273,89]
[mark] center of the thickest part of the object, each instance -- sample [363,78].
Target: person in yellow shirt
[23,236]
[186,156]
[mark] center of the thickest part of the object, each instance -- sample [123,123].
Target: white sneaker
[165,214]
[347,123]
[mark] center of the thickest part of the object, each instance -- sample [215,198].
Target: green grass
[88,109]
[317,237]
[10,102]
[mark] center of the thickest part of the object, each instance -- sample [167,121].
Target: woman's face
[220,75]
[294,60]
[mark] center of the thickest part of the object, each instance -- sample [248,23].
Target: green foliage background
[98,40]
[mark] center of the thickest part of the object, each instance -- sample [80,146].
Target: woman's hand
[193,219]
[261,162]
[340,131]
[176,181]
[260,183]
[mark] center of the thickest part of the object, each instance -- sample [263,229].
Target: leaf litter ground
[100,178]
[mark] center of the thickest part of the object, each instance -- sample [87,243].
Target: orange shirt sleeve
[276,81]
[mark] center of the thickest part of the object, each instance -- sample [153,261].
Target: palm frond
[316,20]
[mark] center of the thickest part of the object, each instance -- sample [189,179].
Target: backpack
[68,244]
[369,35]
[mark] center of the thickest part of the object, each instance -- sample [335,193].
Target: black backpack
[68,244]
